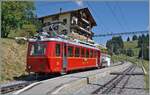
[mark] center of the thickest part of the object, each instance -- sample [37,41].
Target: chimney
[60,10]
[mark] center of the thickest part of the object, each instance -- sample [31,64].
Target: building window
[64,21]
[57,49]
[64,32]
[74,20]
[87,53]
[91,53]
[70,51]
[54,18]
[55,27]
[77,52]
[82,52]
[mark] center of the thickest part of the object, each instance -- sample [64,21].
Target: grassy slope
[13,59]
[133,46]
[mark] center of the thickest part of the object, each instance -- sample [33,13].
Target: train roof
[75,42]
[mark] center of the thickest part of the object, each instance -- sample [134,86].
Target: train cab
[40,57]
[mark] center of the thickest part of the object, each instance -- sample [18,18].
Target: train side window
[87,53]
[94,54]
[57,49]
[70,51]
[77,52]
[82,52]
[91,53]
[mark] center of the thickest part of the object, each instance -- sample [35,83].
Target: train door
[98,59]
[64,65]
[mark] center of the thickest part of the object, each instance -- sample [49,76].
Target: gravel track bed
[134,86]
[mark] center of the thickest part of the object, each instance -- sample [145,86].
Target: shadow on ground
[40,77]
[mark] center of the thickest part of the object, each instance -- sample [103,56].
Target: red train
[56,55]
[49,52]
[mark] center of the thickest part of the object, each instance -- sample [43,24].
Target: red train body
[55,55]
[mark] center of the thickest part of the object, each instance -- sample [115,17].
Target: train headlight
[29,67]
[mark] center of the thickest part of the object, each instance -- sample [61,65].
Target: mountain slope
[133,46]
[13,59]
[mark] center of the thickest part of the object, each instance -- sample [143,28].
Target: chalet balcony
[81,28]
[84,20]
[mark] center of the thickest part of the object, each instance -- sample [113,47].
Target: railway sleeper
[108,86]
[121,73]
[13,88]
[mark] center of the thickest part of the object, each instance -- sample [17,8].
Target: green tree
[139,41]
[128,39]
[15,14]
[143,44]
[115,45]
[144,52]
[134,38]
[130,52]
[147,40]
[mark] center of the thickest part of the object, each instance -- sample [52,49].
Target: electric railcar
[56,55]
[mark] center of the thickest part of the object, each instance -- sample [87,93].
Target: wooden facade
[78,23]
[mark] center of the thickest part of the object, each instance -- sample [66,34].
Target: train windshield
[38,49]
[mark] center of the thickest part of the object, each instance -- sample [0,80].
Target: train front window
[38,49]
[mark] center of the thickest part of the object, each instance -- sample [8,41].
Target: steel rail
[125,83]
[14,87]
[112,83]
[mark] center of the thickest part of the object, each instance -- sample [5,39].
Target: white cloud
[79,2]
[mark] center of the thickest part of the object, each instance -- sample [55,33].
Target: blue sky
[111,16]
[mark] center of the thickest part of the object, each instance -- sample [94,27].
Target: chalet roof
[85,9]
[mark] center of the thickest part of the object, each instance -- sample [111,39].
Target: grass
[13,59]
[133,45]
[130,44]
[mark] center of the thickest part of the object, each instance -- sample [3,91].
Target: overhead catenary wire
[120,24]
[115,16]
[122,15]
[122,33]
[98,17]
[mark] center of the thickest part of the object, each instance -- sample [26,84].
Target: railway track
[19,85]
[14,87]
[111,84]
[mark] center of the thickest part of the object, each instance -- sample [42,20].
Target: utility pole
[142,52]
[112,52]
[126,54]
[60,10]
